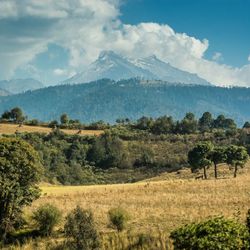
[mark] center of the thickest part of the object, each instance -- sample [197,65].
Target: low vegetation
[162,159]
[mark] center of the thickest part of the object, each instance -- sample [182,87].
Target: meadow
[9,129]
[156,206]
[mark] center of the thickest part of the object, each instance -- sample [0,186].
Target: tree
[188,125]
[163,125]
[80,229]
[198,157]
[216,233]
[19,174]
[217,156]
[64,119]
[6,115]
[246,125]
[144,123]
[205,122]
[237,156]
[16,114]
[107,151]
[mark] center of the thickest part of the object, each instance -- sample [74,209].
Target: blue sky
[51,40]
[225,23]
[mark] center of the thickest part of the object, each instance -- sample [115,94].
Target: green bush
[80,230]
[47,217]
[217,233]
[118,217]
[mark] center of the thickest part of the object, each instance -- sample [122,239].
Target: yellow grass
[13,128]
[157,205]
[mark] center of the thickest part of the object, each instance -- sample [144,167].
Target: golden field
[14,128]
[156,206]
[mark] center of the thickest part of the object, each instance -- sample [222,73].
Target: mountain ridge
[109,100]
[16,86]
[113,66]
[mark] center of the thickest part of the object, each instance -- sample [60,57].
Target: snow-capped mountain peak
[113,66]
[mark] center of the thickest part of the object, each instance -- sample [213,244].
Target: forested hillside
[108,100]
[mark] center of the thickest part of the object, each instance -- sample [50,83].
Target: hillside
[108,100]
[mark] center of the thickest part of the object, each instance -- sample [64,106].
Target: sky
[51,40]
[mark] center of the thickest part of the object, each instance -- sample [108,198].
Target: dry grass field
[13,128]
[156,206]
[160,205]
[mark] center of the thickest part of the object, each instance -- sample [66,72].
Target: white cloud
[59,72]
[248,58]
[217,56]
[86,27]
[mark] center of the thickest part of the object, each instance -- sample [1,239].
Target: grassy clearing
[13,128]
[157,205]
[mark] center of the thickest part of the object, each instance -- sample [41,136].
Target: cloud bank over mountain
[86,27]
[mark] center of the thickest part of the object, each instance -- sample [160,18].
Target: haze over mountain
[16,86]
[108,100]
[112,66]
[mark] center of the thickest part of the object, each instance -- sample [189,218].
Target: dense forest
[108,100]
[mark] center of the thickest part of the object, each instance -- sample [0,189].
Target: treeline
[161,125]
[204,154]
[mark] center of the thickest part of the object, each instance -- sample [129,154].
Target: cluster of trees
[204,154]
[14,115]
[188,125]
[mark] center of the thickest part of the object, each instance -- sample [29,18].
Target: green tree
[163,125]
[64,119]
[246,125]
[217,156]
[80,230]
[19,175]
[145,123]
[217,233]
[16,114]
[198,157]
[206,122]
[107,151]
[237,156]
[188,125]
[6,115]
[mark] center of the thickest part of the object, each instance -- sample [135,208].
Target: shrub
[248,220]
[80,230]
[47,217]
[217,233]
[118,217]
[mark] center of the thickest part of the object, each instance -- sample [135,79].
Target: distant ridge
[110,65]
[109,100]
[17,86]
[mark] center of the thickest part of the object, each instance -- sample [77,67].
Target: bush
[80,230]
[248,220]
[47,217]
[118,217]
[217,233]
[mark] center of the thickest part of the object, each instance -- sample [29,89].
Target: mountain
[109,65]
[16,86]
[166,72]
[4,92]
[108,100]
